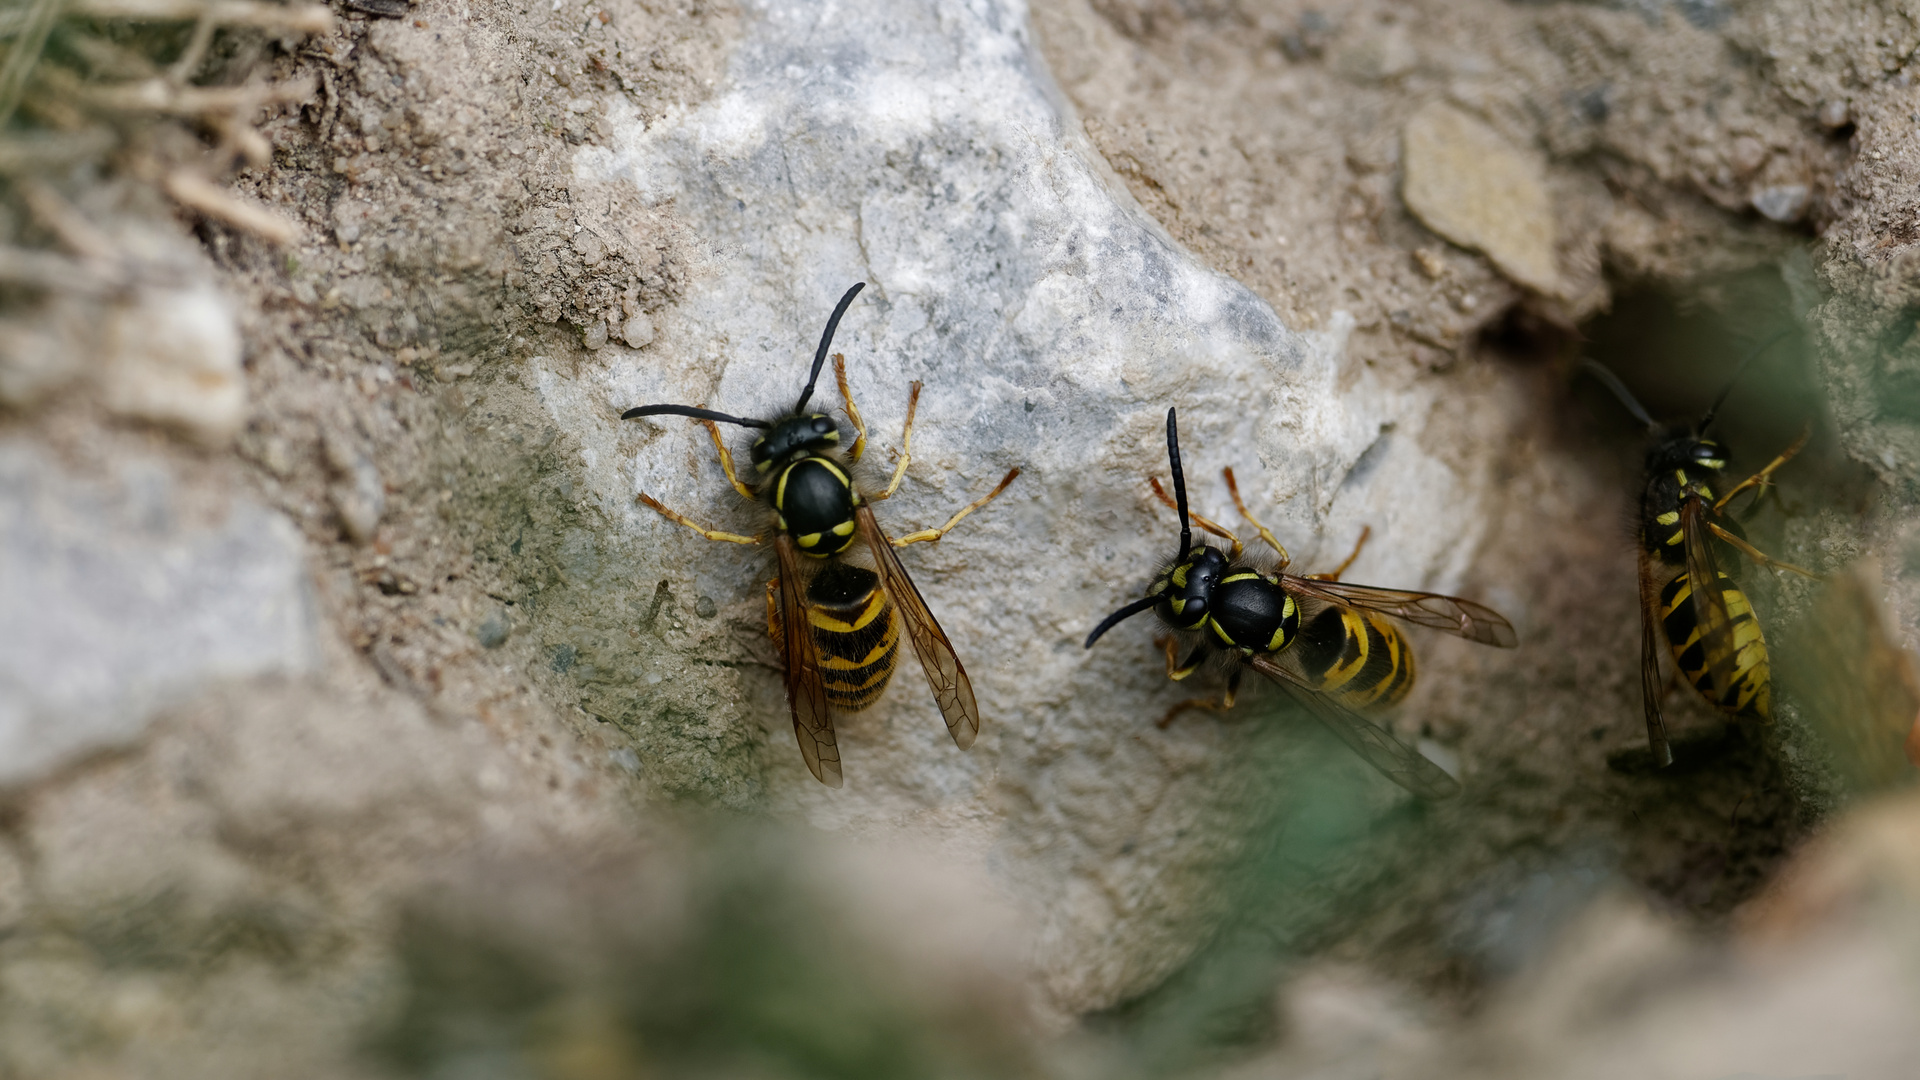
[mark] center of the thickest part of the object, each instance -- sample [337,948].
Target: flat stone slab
[117,599]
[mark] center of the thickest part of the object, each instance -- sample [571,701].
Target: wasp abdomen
[1356,655]
[1750,692]
[857,632]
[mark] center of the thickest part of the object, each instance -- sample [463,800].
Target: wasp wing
[1709,602]
[806,687]
[1464,618]
[1651,688]
[945,677]
[1395,760]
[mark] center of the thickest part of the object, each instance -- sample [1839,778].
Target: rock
[1469,184]
[118,597]
[172,356]
[638,331]
[1784,203]
[1052,324]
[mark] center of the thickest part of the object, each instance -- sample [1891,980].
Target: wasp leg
[726,463]
[1757,555]
[711,534]
[1176,670]
[853,412]
[1213,527]
[925,535]
[906,445]
[1365,531]
[1764,477]
[1208,704]
[1234,490]
[774,625]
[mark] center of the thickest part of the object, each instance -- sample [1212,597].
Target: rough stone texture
[118,596]
[421,857]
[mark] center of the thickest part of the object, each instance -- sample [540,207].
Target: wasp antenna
[1121,616]
[688,410]
[826,342]
[1179,489]
[1612,382]
[1735,377]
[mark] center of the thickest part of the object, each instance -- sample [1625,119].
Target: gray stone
[119,597]
[1469,184]
[920,148]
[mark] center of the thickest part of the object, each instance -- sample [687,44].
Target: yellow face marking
[1179,605]
[1671,517]
[1179,576]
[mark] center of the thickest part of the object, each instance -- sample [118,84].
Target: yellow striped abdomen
[857,631]
[1357,656]
[1751,692]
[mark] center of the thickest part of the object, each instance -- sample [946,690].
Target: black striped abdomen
[1357,656]
[1752,691]
[857,631]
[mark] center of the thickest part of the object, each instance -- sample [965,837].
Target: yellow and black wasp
[1325,641]
[837,623]
[1712,633]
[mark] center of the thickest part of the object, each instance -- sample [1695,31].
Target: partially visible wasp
[1712,632]
[1323,640]
[837,623]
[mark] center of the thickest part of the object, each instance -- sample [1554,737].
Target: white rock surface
[921,148]
[118,599]
[172,356]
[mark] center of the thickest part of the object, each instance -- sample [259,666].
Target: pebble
[172,356]
[1469,184]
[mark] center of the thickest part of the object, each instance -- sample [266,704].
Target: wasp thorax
[794,436]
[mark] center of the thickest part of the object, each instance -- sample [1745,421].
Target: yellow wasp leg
[1757,555]
[906,446]
[1365,531]
[711,534]
[853,412]
[1208,704]
[774,626]
[1175,670]
[726,463]
[1238,504]
[925,535]
[1205,525]
[1764,477]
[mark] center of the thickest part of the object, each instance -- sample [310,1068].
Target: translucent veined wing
[1651,688]
[1395,760]
[1464,618]
[945,677]
[1709,603]
[806,688]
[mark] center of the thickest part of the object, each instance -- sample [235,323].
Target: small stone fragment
[1833,114]
[638,331]
[493,631]
[595,336]
[1470,185]
[1784,203]
[172,356]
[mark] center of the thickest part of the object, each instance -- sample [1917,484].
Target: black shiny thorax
[1253,613]
[815,497]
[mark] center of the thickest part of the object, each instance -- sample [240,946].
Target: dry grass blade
[24,54]
[197,193]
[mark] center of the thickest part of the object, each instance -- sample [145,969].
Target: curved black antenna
[826,342]
[1120,616]
[1179,488]
[1735,377]
[688,410]
[1612,382]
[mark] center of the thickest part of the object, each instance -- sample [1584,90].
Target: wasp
[1328,643]
[836,622]
[1711,629]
